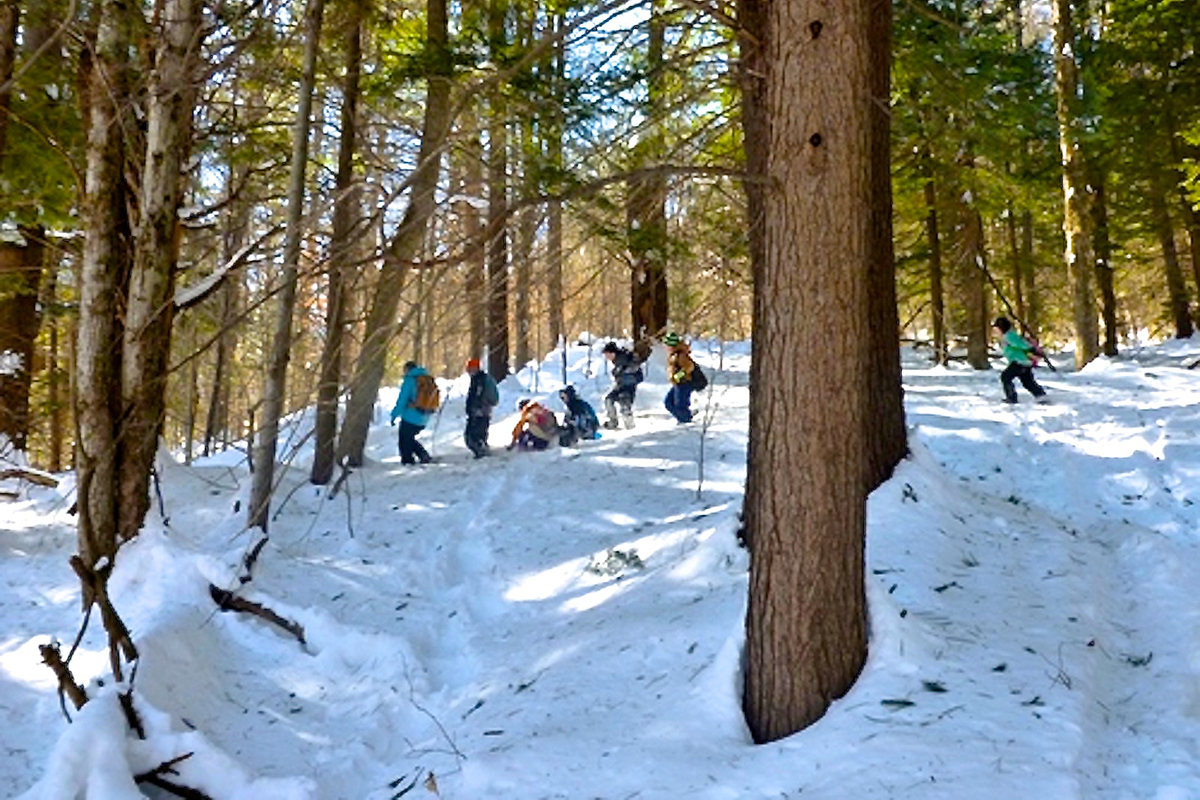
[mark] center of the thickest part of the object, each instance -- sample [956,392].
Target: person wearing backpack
[683,374]
[580,422]
[626,374]
[415,404]
[537,428]
[1019,353]
[482,396]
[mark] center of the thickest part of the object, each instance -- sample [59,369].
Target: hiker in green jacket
[1019,353]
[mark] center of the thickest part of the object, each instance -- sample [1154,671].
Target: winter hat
[524,401]
[409,366]
[1002,323]
[611,347]
[671,339]
[472,363]
[567,393]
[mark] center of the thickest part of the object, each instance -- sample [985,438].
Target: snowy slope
[568,624]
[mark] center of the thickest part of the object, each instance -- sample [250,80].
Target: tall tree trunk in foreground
[887,439]
[404,246]
[345,213]
[275,387]
[1077,195]
[148,316]
[806,488]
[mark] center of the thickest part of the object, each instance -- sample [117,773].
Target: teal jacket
[408,393]
[1016,349]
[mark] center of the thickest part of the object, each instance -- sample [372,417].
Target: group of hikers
[539,427]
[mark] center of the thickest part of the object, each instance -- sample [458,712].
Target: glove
[393,422]
[679,377]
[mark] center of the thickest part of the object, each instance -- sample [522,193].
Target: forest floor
[568,624]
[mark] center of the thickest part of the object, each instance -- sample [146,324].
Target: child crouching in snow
[1019,353]
[536,429]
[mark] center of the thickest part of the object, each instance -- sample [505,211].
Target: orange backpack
[428,397]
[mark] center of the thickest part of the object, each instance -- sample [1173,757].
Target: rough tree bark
[1077,194]
[646,197]
[497,215]
[148,316]
[806,499]
[345,227]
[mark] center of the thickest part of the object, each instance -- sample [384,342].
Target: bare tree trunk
[1177,296]
[937,294]
[405,245]
[1014,258]
[887,441]
[20,277]
[805,498]
[646,216]
[475,254]
[752,45]
[275,385]
[554,210]
[1077,194]
[345,225]
[1034,307]
[1104,270]
[53,370]
[107,251]
[497,228]
[148,317]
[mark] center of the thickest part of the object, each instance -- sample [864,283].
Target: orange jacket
[538,420]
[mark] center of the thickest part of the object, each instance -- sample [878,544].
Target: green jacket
[1016,348]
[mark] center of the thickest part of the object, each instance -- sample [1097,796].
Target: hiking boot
[610,424]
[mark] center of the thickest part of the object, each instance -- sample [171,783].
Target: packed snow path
[567,624]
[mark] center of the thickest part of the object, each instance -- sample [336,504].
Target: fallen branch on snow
[155,778]
[31,475]
[228,601]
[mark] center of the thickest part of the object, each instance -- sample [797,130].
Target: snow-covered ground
[568,624]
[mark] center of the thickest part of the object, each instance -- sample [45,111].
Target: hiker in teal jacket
[1019,353]
[412,419]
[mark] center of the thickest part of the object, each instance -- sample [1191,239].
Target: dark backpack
[699,380]
[427,398]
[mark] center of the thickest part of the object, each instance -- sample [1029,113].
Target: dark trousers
[1024,373]
[679,402]
[410,449]
[527,441]
[476,435]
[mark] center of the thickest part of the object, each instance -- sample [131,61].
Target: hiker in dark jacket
[580,422]
[412,419]
[482,397]
[1019,353]
[626,374]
